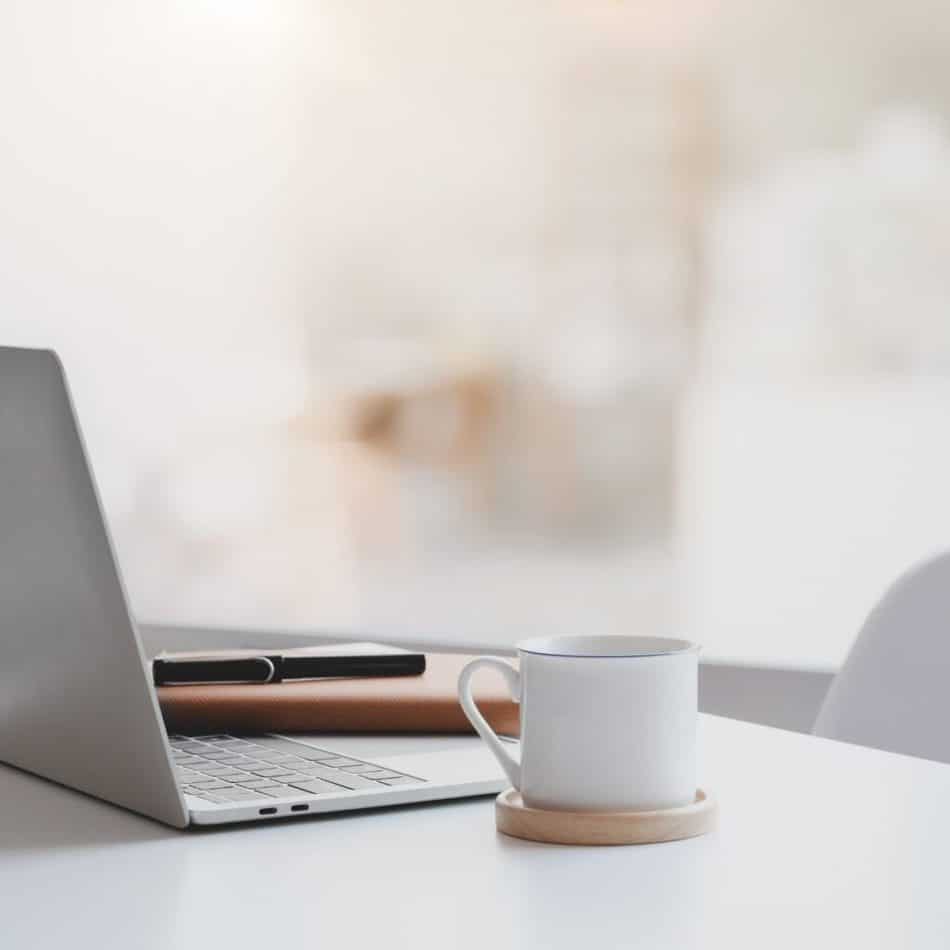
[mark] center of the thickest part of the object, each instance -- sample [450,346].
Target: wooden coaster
[513,817]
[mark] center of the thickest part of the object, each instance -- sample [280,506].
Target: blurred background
[476,321]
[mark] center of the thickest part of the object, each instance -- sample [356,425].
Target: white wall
[150,231]
[146,151]
[197,194]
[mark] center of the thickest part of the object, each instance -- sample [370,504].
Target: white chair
[893,691]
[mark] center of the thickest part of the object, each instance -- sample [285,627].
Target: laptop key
[274,744]
[400,780]
[242,795]
[215,769]
[250,781]
[339,762]
[346,779]
[380,774]
[269,772]
[207,796]
[268,756]
[231,776]
[208,783]
[277,791]
[316,786]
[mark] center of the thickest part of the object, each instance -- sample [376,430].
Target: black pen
[246,667]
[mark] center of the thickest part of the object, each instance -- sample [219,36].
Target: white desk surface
[820,844]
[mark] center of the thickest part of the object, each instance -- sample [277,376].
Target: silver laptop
[76,701]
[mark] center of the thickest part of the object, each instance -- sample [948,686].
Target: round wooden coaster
[513,817]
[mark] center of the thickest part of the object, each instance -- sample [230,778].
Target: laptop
[77,704]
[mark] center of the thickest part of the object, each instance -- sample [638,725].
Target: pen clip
[271,671]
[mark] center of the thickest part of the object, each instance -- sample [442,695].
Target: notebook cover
[424,703]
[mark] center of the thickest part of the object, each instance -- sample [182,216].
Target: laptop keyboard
[222,768]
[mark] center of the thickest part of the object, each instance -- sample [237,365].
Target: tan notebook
[424,703]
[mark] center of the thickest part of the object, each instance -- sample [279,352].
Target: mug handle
[480,724]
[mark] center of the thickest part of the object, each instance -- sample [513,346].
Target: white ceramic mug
[607,723]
